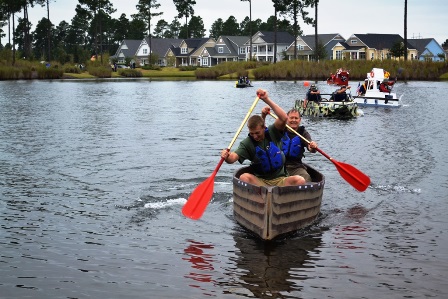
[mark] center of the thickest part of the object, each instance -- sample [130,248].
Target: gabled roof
[161,45]
[323,38]
[421,44]
[195,43]
[238,40]
[268,37]
[380,41]
[132,47]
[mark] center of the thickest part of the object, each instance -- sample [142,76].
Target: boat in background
[272,212]
[243,82]
[340,78]
[329,108]
[378,91]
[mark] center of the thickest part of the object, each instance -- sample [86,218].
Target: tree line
[93,31]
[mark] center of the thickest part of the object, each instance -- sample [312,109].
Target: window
[205,61]
[255,49]
[184,50]
[300,47]
[220,50]
[243,50]
[353,41]
[145,51]
[338,55]
[269,48]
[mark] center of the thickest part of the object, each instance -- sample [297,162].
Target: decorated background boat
[329,108]
[340,78]
[379,91]
[272,212]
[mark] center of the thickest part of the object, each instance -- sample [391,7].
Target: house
[428,49]
[263,43]
[226,48]
[371,46]
[127,48]
[159,46]
[306,45]
[189,51]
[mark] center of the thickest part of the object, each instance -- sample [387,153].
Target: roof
[132,47]
[323,38]
[161,45]
[380,41]
[283,37]
[420,44]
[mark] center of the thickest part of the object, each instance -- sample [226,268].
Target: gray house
[226,48]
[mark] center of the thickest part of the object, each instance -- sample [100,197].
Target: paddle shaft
[353,176]
[237,134]
[201,195]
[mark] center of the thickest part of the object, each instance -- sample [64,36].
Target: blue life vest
[291,147]
[270,159]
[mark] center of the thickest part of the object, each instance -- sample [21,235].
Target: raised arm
[280,122]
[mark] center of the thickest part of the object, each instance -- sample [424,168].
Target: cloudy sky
[426,19]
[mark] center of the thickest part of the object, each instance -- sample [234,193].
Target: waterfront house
[263,43]
[306,45]
[428,49]
[226,48]
[371,46]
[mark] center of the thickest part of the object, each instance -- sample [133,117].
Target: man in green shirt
[263,148]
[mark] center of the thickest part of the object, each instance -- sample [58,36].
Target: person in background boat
[362,89]
[384,87]
[340,94]
[313,95]
[263,148]
[293,146]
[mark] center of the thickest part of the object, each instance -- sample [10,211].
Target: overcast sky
[426,19]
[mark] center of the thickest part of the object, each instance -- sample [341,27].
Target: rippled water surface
[94,175]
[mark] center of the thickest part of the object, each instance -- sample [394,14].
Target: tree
[144,11]
[217,28]
[397,49]
[40,44]
[137,29]
[445,44]
[230,27]
[317,51]
[161,29]
[8,8]
[121,27]
[250,27]
[185,9]
[77,33]
[196,26]
[405,49]
[293,9]
[97,8]
[175,27]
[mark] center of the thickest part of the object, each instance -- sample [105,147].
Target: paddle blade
[199,199]
[353,176]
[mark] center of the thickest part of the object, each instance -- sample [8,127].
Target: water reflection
[275,269]
[198,254]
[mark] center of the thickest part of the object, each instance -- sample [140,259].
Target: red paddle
[353,176]
[200,197]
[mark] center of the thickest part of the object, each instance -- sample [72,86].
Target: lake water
[94,175]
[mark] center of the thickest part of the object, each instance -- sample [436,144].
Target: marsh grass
[308,70]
